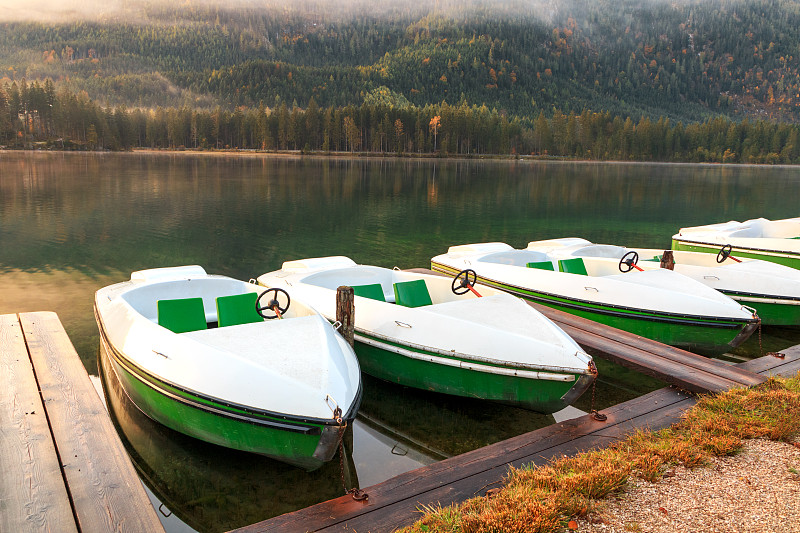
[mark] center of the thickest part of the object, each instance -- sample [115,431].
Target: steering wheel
[629,262]
[464,281]
[272,304]
[724,253]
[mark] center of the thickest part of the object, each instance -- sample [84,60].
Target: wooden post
[345,312]
[667,260]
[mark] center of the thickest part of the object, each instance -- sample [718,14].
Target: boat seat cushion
[373,291]
[237,309]
[412,293]
[182,315]
[541,265]
[572,266]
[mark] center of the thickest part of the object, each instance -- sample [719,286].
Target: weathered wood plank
[786,366]
[458,478]
[106,492]
[32,492]
[395,502]
[405,512]
[607,335]
[685,377]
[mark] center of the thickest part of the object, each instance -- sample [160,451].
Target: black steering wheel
[629,262]
[724,253]
[272,304]
[463,281]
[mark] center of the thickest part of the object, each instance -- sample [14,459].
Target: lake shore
[299,154]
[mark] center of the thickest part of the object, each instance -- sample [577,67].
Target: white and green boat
[194,352]
[777,241]
[773,290]
[414,329]
[658,304]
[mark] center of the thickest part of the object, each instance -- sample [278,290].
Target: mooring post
[667,260]
[345,312]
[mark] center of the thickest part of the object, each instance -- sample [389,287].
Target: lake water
[72,223]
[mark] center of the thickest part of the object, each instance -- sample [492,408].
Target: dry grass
[544,499]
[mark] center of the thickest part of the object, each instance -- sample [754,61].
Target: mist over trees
[595,73]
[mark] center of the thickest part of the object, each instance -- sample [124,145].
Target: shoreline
[298,154]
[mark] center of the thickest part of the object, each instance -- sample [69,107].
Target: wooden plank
[405,512]
[107,494]
[669,353]
[32,492]
[787,366]
[395,502]
[459,477]
[684,377]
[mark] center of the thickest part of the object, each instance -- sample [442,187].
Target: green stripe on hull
[703,335]
[294,447]
[540,395]
[793,260]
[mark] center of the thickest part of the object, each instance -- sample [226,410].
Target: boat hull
[412,367]
[305,443]
[785,258]
[703,335]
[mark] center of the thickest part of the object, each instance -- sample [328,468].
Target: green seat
[182,315]
[237,309]
[373,291]
[572,266]
[541,265]
[412,293]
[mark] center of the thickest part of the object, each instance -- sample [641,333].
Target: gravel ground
[757,490]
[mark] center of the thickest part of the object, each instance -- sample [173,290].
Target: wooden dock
[62,465]
[685,370]
[397,502]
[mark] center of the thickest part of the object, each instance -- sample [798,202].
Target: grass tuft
[542,499]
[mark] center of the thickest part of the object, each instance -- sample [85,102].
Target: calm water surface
[72,223]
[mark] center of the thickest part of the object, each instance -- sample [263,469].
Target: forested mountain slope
[683,60]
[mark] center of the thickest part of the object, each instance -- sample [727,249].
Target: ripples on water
[72,223]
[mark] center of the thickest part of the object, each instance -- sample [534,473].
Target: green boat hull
[703,335]
[381,360]
[305,443]
[789,259]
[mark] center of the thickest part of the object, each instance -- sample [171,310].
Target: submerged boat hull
[703,335]
[391,361]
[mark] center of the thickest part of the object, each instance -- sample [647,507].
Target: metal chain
[760,347]
[358,494]
[600,417]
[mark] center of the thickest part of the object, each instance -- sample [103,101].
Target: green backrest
[541,265]
[373,291]
[572,266]
[182,315]
[412,293]
[237,309]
